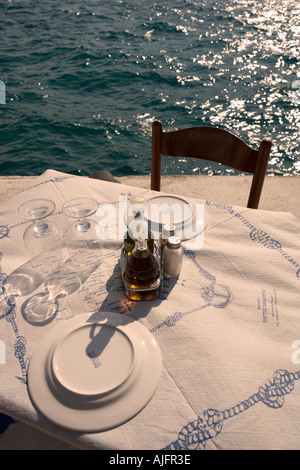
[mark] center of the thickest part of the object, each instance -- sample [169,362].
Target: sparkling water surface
[84,81]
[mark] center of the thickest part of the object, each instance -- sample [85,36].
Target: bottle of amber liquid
[137,208]
[142,273]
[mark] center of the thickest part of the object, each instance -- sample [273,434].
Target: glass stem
[40,226]
[82,225]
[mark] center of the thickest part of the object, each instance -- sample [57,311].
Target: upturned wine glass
[83,233]
[43,239]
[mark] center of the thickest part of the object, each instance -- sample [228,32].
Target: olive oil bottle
[142,273]
[136,214]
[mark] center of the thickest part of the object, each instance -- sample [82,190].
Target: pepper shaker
[168,231]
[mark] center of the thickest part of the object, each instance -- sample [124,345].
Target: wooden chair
[213,144]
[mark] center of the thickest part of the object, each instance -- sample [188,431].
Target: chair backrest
[213,144]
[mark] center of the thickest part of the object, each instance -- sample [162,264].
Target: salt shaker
[172,257]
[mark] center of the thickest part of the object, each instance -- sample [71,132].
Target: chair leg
[156,155]
[260,173]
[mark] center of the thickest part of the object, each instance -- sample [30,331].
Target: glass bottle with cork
[136,213]
[142,274]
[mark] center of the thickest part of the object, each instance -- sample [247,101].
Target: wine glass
[43,239]
[84,234]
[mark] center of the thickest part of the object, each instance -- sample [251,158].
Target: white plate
[166,209]
[94,371]
[190,219]
[196,225]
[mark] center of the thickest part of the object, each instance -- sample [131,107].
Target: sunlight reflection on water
[93,95]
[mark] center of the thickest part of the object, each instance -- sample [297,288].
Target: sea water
[81,82]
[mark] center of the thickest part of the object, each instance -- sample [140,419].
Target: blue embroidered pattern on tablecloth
[258,236]
[55,179]
[216,295]
[4,231]
[209,424]
[10,316]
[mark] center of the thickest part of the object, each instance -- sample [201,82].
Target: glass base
[142,293]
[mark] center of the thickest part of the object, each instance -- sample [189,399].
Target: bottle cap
[168,230]
[137,200]
[137,206]
[173,242]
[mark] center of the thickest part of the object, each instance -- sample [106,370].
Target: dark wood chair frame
[213,144]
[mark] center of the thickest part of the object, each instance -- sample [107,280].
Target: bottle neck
[141,244]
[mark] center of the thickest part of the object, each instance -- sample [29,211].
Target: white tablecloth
[228,328]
